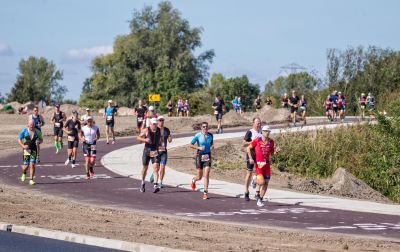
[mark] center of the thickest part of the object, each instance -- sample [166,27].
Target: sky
[255,38]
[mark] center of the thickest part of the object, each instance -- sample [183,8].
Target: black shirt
[154,139]
[294,100]
[58,118]
[219,105]
[141,111]
[250,136]
[74,127]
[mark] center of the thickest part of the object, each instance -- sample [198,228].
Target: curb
[84,239]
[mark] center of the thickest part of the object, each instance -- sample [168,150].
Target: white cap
[153,121]
[266,128]
[151,108]
[89,118]
[161,118]
[87,109]
[109,101]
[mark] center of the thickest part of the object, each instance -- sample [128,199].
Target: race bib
[303,108]
[27,152]
[205,158]
[140,119]
[71,138]
[93,147]
[109,118]
[153,153]
[215,112]
[261,164]
[362,107]
[57,125]
[162,148]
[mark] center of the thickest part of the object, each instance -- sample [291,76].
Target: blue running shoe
[152,178]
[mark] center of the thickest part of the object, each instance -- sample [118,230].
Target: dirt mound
[233,117]
[15,105]
[229,152]
[66,108]
[124,111]
[272,115]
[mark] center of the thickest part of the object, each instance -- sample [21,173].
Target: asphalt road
[110,189]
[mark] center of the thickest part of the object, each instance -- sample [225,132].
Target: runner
[170,107]
[269,101]
[148,116]
[251,134]
[89,135]
[219,108]
[186,108]
[303,108]
[162,150]
[58,120]
[203,142]
[85,116]
[150,136]
[234,103]
[38,121]
[285,101]
[239,105]
[263,147]
[109,113]
[28,140]
[341,106]
[140,113]
[72,128]
[334,107]
[328,108]
[257,103]
[294,105]
[370,103]
[179,107]
[363,104]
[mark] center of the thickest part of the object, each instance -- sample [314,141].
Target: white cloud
[5,50]
[87,53]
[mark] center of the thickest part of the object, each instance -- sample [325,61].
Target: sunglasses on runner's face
[268,131]
[204,127]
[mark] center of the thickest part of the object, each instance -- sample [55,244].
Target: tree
[38,80]
[157,56]
[302,82]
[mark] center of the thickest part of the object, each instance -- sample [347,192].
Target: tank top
[37,121]
[154,138]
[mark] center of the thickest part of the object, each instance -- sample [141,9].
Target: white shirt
[90,133]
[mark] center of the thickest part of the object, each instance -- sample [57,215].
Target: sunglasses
[204,127]
[267,131]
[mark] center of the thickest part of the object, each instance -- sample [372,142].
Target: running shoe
[253,182]
[142,188]
[31,182]
[87,177]
[113,142]
[107,142]
[205,196]
[73,166]
[91,174]
[156,189]
[57,150]
[37,159]
[161,185]
[152,178]
[256,197]
[23,177]
[67,162]
[193,185]
[246,196]
[260,203]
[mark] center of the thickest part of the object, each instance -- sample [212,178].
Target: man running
[294,105]
[170,107]
[58,120]
[285,101]
[38,121]
[257,103]
[219,108]
[151,137]
[89,135]
[203,142]
[328,108]
[109,112]
[72,128]
[334,102]
[363,104]
[85,116]
[162,149]
[341,106]
[251,134]
[140,113]
[303,108]
[263,147]
[28,140]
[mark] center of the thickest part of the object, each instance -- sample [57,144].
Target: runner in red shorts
[263,147]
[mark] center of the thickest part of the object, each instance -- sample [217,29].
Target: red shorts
[265,171]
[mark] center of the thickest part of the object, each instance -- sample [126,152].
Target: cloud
[83,54]
[5,50]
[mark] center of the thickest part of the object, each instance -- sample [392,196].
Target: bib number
[261,164]
[153,153]
[140,119]
[162,148]
[109,118]
[27,152]
[215,112]
[93,147]
[71,138]
[205,158]
[57,125]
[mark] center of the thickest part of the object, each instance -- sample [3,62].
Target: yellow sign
[154,97]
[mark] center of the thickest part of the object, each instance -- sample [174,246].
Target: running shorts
[293,109]
[29,157]
[163,157]
[218,116]
[73,143]
[150,155]
[265,171]
[58,132]
[203,161]
[110,124]
[89,150]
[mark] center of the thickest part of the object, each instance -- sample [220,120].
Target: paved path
[110,189]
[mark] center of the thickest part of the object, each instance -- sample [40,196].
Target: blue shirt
[110,111]
[37,122]
[200,139]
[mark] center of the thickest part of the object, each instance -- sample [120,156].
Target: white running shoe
[73,165]
[260,203]
[66,162]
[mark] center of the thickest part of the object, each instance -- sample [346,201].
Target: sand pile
[48,112]
[234,118]
[272,115]
[124,111]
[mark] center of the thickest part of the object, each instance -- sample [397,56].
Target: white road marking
[254,212]
[363,226]
[70,177]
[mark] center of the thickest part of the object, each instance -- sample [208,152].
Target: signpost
[154,97]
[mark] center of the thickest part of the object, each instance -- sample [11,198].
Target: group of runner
[77,130]
[296,105]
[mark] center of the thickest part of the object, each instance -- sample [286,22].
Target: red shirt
[262,149]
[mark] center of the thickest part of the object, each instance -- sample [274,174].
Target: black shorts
[73,144]
[169,110]
[250,167]
[146,158]
[201,164]
[139,124]
[218,116]
[110,124]
[335,109]
[163,157]
[89,150]
[58,132]
[293,109]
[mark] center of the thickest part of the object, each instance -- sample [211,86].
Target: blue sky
[249,37]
